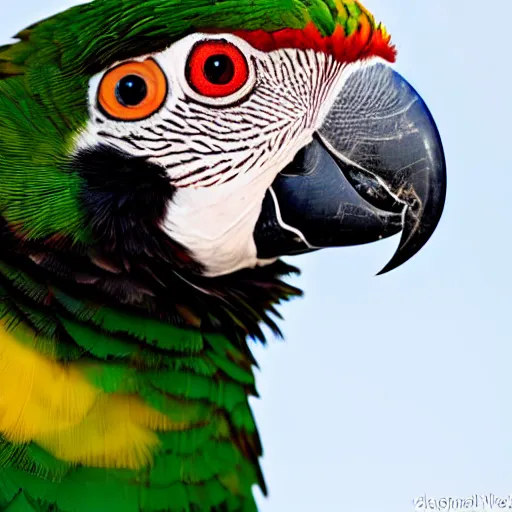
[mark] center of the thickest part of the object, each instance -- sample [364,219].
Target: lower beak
[375,167]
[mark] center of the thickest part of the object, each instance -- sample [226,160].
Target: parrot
[158,160]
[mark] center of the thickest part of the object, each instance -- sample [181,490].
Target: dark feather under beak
[376,167]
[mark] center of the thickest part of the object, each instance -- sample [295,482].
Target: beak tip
[413,239]
[391,265]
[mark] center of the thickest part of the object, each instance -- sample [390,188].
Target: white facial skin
[222,154]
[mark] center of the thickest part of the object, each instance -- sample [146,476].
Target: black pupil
[219,69]
[131,90]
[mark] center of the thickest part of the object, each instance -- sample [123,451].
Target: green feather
[203,383]
[158,334]
[21,504]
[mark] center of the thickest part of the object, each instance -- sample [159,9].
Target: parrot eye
[219,69]
[216,69]
[133,91]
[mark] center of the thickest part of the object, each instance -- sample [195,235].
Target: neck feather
[139,395]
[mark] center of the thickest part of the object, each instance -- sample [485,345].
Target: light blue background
[391,387]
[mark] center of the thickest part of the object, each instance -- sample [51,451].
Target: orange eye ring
[143,84]
[217,69]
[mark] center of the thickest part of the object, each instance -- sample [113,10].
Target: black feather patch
[125,198]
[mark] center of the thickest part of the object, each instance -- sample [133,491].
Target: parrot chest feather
[122,413]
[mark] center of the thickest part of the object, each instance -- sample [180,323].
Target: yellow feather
[38,395]
[144,415]
[54,405]
[108,437]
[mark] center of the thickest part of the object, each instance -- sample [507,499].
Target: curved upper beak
[375,167]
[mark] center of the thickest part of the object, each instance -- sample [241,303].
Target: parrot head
[210,139]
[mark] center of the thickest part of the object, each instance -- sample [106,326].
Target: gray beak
[375,168]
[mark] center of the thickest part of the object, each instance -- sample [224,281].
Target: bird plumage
[105,410]
[125,369]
